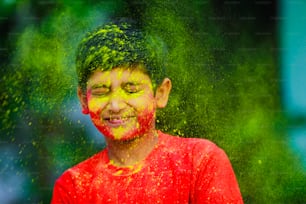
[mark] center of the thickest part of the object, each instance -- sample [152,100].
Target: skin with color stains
[121,103]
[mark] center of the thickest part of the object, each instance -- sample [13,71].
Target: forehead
[120,74]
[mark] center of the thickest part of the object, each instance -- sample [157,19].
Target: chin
[111,134]
[123,137]
[126,139]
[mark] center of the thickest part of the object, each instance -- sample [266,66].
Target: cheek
[96,108]
[146,117]
[96,104]
[96,119]
[143,103]
[146,109]
[95,114]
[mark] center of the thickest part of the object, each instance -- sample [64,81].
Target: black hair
[120,43]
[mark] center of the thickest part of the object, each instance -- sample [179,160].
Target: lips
[116,121]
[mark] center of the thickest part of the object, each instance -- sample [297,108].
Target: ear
[162,93]
[83,100]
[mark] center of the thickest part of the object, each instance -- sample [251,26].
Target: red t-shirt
[178,170]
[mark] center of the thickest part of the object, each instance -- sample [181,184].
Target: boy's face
[121,102]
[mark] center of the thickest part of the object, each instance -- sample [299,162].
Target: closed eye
[131,88]
[100,90]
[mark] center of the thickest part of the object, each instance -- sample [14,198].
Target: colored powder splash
[230,95]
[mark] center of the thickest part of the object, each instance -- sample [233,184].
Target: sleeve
[63,191]
[214,179]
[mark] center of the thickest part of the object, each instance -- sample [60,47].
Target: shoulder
[76,180]
[85,168]
[197,150]
[195,154]
[194,145]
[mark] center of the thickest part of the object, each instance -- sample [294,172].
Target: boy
[121,84]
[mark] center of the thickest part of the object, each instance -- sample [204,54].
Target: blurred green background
[230,86]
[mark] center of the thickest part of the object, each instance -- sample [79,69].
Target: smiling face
[121,102]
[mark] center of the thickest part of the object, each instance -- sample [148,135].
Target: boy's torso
[174,172]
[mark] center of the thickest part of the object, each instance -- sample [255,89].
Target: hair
[121,43]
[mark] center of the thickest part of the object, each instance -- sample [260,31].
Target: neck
[130,152]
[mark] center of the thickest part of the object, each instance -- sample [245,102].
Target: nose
[116,103]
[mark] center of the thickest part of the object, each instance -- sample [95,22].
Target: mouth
[116,121]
